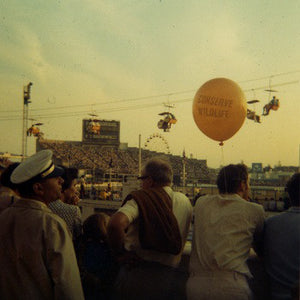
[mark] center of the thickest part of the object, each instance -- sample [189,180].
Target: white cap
[39,165]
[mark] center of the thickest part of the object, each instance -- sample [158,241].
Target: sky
[122,60]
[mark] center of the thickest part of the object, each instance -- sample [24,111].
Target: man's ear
[151,182]
[241,186]
[243,190]
[38,188]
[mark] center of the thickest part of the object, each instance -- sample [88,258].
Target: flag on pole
[110,163]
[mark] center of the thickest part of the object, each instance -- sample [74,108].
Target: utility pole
[26,97]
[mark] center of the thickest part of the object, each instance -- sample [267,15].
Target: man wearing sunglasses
[149,232]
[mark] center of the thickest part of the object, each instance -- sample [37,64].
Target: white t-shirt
[182,210]
[223,233]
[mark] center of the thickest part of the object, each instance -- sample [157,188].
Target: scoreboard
[109,133]
[257,168]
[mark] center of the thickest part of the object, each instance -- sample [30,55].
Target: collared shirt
[37,256]
[223,233]
[70,214]
[7,198]
[282,252]
[182,210]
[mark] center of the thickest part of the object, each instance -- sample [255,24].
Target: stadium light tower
[26,97]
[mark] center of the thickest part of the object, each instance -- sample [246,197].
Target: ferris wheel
[156,142]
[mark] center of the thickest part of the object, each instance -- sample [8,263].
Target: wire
[267,77]
[73,114]
[107,102]
[57,114]
[273,85]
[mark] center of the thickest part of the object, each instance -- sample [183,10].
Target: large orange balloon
[219,108]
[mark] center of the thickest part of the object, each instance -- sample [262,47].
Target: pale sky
[109,57]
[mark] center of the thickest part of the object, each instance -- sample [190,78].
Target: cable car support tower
[26,97]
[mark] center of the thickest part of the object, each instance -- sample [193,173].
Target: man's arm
[77,224]
[258,236]
[117,226]
[61,262]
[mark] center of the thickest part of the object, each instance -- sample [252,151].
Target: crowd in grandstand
[88,156]
[101,159]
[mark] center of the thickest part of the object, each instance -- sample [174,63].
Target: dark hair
[5,176]
[95,227]
[159,170]
[293,189]
[230,178]
[68,176]
[25,189]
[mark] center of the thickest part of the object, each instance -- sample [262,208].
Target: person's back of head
[95,227]
[5,177]
[70,195]
[159,170]
[293,189]
[230,178]
[68,176]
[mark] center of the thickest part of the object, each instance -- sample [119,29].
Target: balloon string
[223,165]
[222,157]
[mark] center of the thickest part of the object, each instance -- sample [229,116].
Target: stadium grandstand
[103,159]
[101,155]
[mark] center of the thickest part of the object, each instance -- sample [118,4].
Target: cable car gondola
[251,114]
[34,130]
[167,121]
[94,125]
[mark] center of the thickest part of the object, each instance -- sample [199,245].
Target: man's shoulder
[34,212]
[181,203]
[53,218]
[255,206]
[282,227]
[180,195]
[173,193]
[253,210]
[50,216]
[130,206]
[58,205]
[201,201]
[280,218]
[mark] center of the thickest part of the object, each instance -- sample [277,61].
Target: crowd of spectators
[106,158]
[110,262]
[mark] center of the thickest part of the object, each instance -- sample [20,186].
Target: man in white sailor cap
[37,257]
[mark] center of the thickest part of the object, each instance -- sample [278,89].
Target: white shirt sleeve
[130,209]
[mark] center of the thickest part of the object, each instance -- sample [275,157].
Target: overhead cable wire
[274,75]
[110,109]
[117,109]
[273,85]
[139,98]
[80,113]
[106,102]
[132,99]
